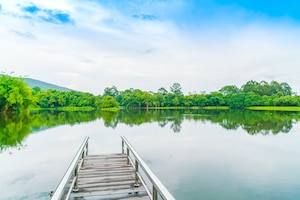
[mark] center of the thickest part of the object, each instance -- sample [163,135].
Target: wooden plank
[114,197]
[105,159]
[111,188]
[108,176]
[108,192]
[105,166]
[106,155]
[107,179]
[106,171]
[102,174]
[115,160]
[104,163]
[136,198]
[97,184]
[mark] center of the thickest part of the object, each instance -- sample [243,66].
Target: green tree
[112,91]
[108,102]
[176,101]
[252,99]
[148,98]
[237,101]
[264,88]
[176,89]
[286,89]
[215,99]
[15,95]
[229,90]
[251,86]
[35,90]
[158,100]
[188,100]
[162,91]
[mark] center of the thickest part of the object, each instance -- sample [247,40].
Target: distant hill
[43,85]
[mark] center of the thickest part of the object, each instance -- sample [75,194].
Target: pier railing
[155,187]
[69,181]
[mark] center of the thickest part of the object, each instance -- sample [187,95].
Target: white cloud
[106,47]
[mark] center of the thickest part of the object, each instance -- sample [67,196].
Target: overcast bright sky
[143,44]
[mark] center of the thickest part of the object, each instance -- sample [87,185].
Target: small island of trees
[17,96]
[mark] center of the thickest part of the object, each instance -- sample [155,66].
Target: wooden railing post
[82,157]
[84,154]
[127,156]
[87,148]
[154,193]
[75,188]
[136,184]
[122,147]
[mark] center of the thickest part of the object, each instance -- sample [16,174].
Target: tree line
[53,99]
[16,96]
[252,93]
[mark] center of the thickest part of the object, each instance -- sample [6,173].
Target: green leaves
[108,102]
[15,95]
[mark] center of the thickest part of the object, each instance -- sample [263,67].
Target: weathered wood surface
[108,177]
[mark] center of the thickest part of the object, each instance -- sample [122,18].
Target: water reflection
[13,129]
[253,122]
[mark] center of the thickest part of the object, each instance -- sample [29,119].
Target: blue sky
[203,45]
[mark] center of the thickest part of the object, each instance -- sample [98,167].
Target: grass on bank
[114,109]
[87,108]
[190,108]
[274,108]
[216,107]
[68,108]
[261,108]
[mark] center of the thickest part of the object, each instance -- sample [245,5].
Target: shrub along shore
[275,108]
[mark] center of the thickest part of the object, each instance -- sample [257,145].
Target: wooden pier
[114,176]
[108,176]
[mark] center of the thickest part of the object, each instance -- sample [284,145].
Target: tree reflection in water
[13,129]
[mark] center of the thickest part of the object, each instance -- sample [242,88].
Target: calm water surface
[195,159]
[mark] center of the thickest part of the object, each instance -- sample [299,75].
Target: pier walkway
[114,176]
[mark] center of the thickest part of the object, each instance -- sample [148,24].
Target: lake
[196,154]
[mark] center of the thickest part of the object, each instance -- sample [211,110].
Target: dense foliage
[250,94]
[54,98]
[15,95]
